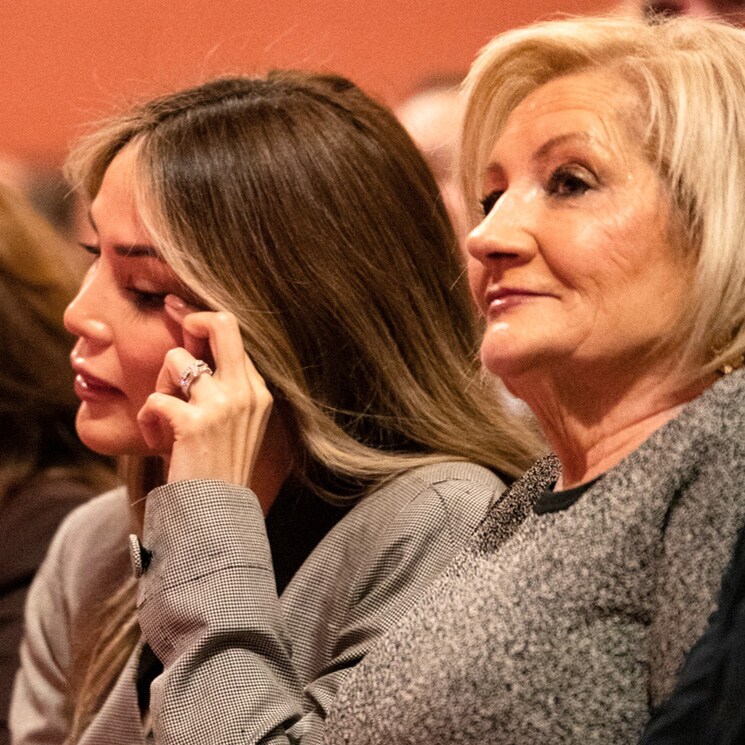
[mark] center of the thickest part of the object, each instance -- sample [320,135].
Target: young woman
[275,317]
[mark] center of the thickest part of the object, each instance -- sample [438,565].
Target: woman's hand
[218,432]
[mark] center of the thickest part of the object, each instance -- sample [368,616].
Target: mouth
[499,299]
[90,388]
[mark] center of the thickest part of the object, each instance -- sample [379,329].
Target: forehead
[117,185]
[600,105]
[114,209]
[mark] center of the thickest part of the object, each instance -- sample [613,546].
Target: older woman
[609,158]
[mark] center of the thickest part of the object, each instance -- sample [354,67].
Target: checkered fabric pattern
[241,664]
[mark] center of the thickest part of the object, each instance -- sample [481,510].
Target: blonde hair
[689,76]
[302,206]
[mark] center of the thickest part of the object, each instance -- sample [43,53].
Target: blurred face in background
[433,118]
[732,11]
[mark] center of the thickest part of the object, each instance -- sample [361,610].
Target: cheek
[142,362]
[597,252]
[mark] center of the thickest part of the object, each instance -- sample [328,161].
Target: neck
[273,463]
[592,422]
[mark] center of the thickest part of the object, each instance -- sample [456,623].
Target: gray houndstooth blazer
[241,665]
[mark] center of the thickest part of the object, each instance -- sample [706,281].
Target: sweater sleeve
[209,609]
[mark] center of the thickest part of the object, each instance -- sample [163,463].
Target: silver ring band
[191,373]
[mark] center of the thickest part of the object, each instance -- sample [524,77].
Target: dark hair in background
[38,277]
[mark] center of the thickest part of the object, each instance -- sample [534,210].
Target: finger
[221,332]
[178,309]
[154,420]
[225,342]
[176,364]
[218,329]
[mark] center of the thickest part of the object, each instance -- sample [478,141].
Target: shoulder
[96,526]
[697,458]
[450,496]
[410,527]
[89,554]
[375,562]
[714,418]
[86,561]
[458,488]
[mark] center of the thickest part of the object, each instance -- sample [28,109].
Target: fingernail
[175,302]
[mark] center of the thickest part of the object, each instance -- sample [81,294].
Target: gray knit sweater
[566,627]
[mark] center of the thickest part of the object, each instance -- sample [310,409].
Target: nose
[506,232]
[84,316]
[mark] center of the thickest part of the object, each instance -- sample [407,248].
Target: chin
[512,350]
[501,361]
[110,438]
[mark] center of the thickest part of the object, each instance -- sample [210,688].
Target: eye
[93,250]
[488,202]
[566,182]
[146,301]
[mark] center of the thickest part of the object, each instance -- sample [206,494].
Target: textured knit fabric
[240,664]
[566,627]
[28,519]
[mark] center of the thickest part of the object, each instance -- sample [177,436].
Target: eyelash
[488,202]
[142,300]
[146,301]
[91,249]
[563,183]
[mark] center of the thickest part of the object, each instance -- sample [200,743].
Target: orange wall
[66,62]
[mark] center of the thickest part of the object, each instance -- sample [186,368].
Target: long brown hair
[301,205]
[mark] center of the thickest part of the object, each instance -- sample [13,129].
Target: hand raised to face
[218,432]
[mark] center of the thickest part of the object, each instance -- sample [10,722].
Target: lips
[90,388]
[498,299]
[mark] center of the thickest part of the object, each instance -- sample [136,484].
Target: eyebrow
[494,169]
[549,145]
[545,149]
[129,250]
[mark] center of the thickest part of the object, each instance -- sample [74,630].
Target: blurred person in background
[432,115]
[731,11]
[45,470]
[45,188]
